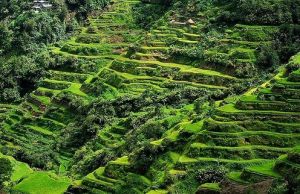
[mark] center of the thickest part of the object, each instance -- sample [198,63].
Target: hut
[39,5]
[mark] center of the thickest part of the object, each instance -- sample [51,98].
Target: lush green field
[42,182]
[20,169]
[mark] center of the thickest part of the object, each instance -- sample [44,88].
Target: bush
[193,53]
[5,170]
[267,57]
[288,41]
[267,12]
[278,187]
[211,174]
[91,30]
[146,14]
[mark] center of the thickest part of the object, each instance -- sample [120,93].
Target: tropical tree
[5,171]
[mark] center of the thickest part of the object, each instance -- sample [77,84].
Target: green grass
[296,59]
[43,99]
[230,108]
[185,159]
[265,169]
[236,177]
[249,98]
[45,90]
[159,191]
[43,182]
[177,172]
[41,130]
[181,40]
[193,127]
[121,161]
[174,156]
[231,161]
[240,148]
[75,89]
[157,142]
[20,169]
[211,186]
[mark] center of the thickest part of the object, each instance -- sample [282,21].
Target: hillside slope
[185,107]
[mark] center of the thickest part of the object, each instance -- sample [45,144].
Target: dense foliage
[268,12]
[24,35]
[5,171]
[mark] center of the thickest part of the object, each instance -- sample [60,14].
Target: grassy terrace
[183,68]
[239,45]
[240,124]
[4,109]
[41,182]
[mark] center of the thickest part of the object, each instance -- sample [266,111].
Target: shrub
[91,30]
[268,12]
[211,174]
[146,14]
[142,158]
[267,57]
[278,187]
[5,170]
[190,52]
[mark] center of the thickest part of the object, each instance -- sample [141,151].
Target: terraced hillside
[250,138]
[42,116]
[126,110]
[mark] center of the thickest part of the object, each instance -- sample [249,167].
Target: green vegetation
[24,35]
[40,182]
[5,171]
[130,96]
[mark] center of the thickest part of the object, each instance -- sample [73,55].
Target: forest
[150,96]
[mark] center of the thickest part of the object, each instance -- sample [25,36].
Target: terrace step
[162,36]
[260,173]
[92,182]
[39,101]
[55,84]
[40,130]
[68,76]
[212,188]
[235,176]
[231,112]
[148,67]
[250,138]
[285,83]
[82,49]
[158,191]
[184,68]
[40,91]
[213,160]
[241,152]
[114,169]
[171,29]
[192,37]
[250,125]
[146,49]
[48,123]
[187,42]
[99,174]
[146,56]
[253,103]
[157,44]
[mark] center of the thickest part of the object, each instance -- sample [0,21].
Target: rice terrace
[150,96]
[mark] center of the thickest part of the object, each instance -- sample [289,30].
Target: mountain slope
[184,107]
